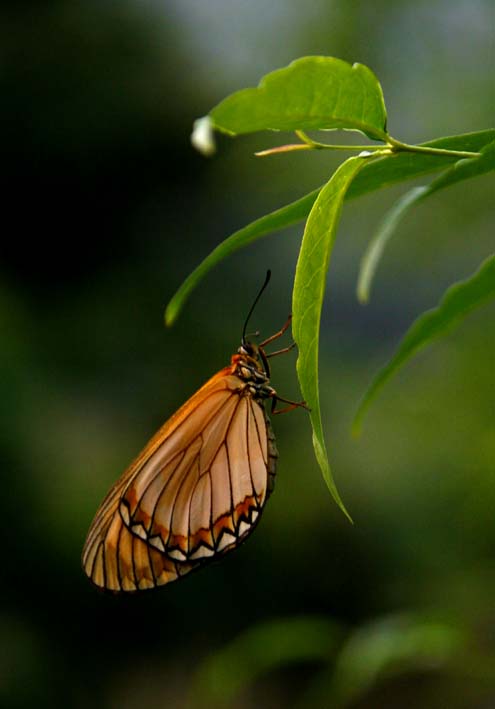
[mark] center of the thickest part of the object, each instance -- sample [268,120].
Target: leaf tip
[347,515]
[342,507]
[362,294]
[170,315]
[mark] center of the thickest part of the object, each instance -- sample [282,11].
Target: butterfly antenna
[267,279]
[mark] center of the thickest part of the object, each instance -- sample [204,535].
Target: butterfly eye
[248,350]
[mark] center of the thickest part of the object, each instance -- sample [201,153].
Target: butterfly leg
[279,352]
[277,334]
[291,405]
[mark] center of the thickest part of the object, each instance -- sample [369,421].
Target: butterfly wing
[196,491]
[117,560]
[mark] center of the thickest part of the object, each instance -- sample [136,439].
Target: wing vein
[162,491]
[250,412]
[117,553]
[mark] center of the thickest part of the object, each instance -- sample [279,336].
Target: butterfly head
[248,349]
[251,362]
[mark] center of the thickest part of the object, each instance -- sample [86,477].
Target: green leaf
[465,170]
[383,649]
[456,303]
[226,673]
[309,288]
[376,174]
[379,240]
[403,166]
[310,93]
[290,214]
[461,170]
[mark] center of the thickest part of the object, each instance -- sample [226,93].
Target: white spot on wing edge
[202,552]
[139,531]
[177,554]
[243,527]
[226,539]
[124,513]
[157,542]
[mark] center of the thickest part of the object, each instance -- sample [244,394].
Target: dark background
[106,210]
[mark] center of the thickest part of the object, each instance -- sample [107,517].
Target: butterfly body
[197,489]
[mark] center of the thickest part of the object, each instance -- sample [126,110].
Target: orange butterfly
[197,489]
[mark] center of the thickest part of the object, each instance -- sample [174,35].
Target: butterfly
[198,488]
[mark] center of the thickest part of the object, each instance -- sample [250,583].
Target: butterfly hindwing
[195,492]
[118,560]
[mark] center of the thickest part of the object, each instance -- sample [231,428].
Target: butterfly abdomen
[272,455]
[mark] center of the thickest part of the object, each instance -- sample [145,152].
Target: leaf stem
[325,146]
[392,144]
[398,146]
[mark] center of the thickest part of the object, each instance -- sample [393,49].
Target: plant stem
[325,146]
[392,144]
[398,146]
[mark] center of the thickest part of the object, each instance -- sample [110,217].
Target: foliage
[347,663]
[326,94]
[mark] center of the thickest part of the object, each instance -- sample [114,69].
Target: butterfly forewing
[195,491]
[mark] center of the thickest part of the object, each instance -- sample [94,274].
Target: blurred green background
[106,209]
